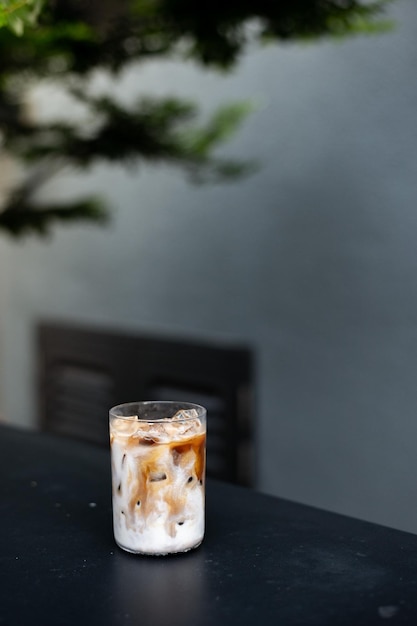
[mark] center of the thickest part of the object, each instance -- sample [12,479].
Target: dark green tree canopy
[74,37]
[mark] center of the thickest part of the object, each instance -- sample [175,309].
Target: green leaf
[32,219]
[17,14]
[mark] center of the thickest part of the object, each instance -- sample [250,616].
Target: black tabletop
[263,561]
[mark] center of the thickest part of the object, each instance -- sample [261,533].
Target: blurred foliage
[74,38]
[18,14]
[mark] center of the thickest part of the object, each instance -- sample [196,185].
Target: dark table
[264,560]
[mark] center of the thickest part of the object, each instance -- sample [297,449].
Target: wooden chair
[84,371]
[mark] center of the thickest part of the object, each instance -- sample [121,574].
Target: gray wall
[312,261]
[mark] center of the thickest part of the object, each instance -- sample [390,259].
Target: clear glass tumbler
[158,452]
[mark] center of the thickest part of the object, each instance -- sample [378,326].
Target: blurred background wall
[312,262]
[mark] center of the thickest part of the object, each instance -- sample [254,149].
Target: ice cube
[151,431]
[125,425]
[185,414]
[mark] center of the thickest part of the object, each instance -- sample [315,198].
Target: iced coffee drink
[158,476]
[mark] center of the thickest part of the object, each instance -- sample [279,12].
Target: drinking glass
[158,476]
